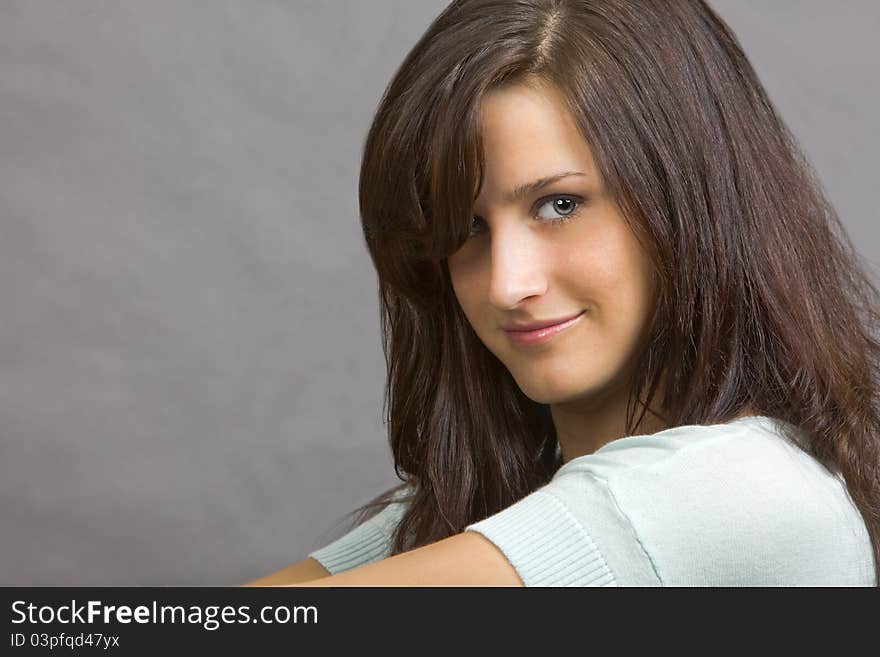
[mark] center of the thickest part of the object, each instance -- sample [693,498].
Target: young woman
[702,409]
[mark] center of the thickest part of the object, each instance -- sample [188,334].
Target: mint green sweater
[735,504]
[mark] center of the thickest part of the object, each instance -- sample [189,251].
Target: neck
[583,427]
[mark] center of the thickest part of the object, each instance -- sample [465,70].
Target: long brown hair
[763,302]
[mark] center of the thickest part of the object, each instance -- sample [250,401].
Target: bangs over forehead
[456,164]
[454,173]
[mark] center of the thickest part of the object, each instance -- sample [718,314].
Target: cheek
[597,268]
[612,276]
[466,287]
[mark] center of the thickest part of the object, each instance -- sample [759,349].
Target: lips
[542,335]
[534,326]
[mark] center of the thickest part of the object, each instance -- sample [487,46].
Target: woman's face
[520,265]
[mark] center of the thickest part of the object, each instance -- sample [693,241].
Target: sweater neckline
[770,423]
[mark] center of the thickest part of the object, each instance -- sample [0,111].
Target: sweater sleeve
[721,505]
[368,542]
[552,538]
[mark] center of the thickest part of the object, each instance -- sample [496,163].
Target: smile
[542,335]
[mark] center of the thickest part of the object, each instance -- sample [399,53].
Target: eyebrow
[529,188]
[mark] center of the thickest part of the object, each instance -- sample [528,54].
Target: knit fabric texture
[735,504]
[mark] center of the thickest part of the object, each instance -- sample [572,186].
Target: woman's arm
[466,559]
[302,571]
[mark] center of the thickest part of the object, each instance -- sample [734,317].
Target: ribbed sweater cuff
[545,544]
[364,544]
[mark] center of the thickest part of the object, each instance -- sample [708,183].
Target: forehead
[527,134]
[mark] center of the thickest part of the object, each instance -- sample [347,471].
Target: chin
[549,394]
[568,387]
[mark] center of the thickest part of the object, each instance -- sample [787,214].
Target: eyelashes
[575,204]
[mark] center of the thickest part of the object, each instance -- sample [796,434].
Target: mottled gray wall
[190,363]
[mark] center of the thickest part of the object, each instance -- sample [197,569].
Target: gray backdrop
[191,372]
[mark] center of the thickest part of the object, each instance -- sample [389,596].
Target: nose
[517,270]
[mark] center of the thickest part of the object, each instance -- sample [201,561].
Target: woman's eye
[564,208]
[561,209]
[476,220]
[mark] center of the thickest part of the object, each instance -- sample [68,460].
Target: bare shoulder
[302,571]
